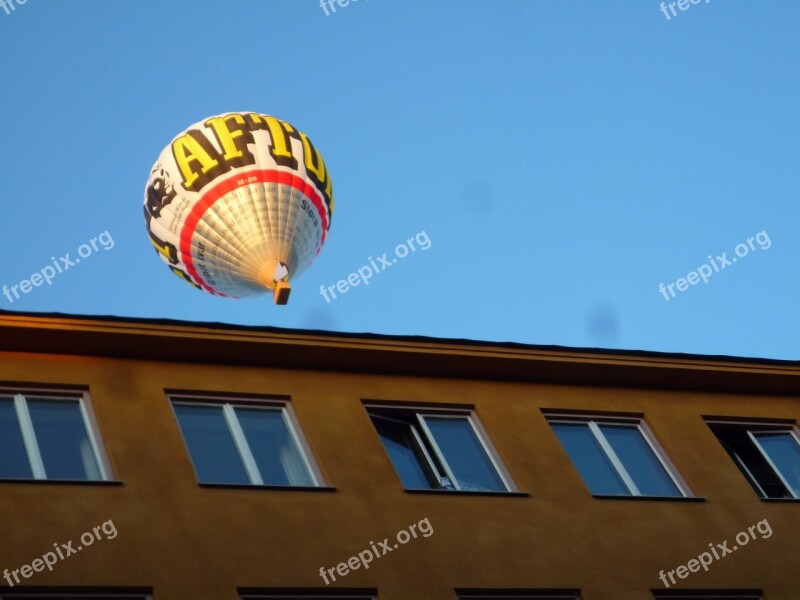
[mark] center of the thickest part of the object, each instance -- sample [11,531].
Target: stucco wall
[188,541]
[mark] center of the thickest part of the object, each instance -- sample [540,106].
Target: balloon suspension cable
[282,288]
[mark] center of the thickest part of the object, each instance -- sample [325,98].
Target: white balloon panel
[225,204]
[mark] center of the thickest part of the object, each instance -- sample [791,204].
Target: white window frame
[751,427]
[420,413]
[22,397]
[487,450]
[793,434]
[594,422]
[229,406]
[429,465]
[451,477]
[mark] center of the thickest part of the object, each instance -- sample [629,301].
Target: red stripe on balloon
[218,191]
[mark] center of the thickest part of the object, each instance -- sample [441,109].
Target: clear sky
[563,157]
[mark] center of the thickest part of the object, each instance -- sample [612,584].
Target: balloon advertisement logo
[239,204]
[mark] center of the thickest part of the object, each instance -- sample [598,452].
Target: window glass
[639,460]
[750,460]
[403,452]
[750,444]
[63,441]
[274,449]
[306,597]
[518,596]
[56,596]
[590,459]
[784,452]
[14,462]
[464,454]
[710,595]
[211,446]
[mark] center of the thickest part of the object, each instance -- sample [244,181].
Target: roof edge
[221,343]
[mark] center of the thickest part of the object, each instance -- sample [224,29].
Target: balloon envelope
[239,204]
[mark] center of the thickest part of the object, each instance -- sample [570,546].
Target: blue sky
[563,157]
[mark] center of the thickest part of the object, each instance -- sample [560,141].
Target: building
[172,460]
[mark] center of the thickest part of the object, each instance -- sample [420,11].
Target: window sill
[651,498]
[109,482]
[468,493]
[789,500]
[282,488]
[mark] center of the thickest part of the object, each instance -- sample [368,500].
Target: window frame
[343,594]
[429,466]
[708,594]
[594,420]
[524,594]
[750,428]
[420,427]
[792,434]
[284,595]
[73,595]
[20,397]
[229,404]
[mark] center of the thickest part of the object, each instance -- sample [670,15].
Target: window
[706,595]
[71,596]
[438,450]
[283,596]
[518,595]
[287,595]
[48,437]
[248,444]
[768,455]
[616,456]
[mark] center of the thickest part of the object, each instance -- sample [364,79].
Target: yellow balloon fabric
[239,202]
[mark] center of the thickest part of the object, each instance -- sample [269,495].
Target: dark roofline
[422,339]
[223,343]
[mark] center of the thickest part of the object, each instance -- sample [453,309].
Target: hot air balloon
[239,204]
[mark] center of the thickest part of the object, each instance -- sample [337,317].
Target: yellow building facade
[210,462]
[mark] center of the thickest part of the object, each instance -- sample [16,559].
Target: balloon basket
[281,292]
